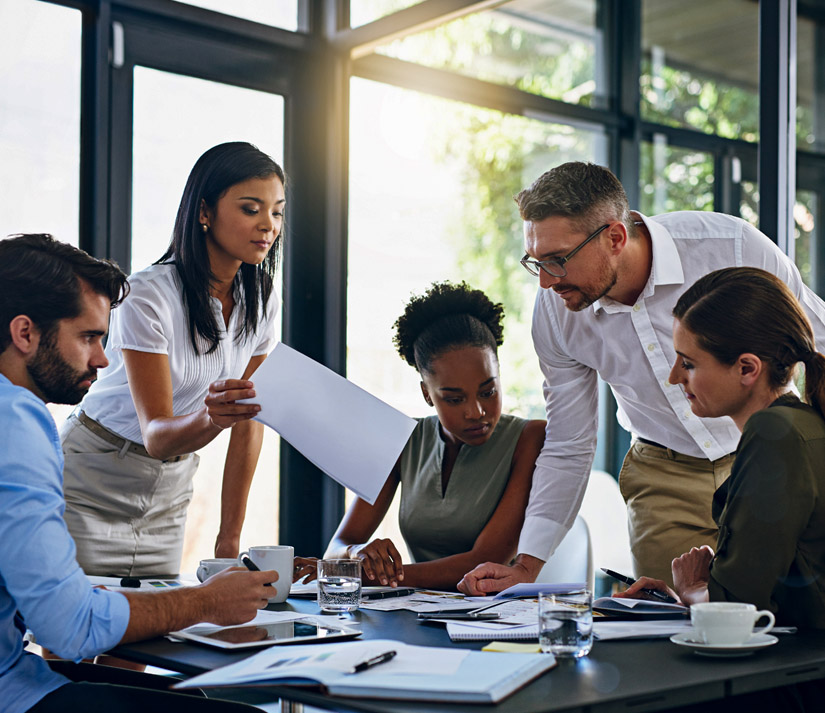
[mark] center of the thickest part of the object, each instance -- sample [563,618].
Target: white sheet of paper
[351,435]
[607,630]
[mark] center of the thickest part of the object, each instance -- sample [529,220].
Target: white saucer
[690,639]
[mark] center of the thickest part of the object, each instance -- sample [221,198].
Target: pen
[655,593]
[252,567]
[386,594]
[374,661]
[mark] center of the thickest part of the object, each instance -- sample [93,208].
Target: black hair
[444,318]
[44,279]
[217,170]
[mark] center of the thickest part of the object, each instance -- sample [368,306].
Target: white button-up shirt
[630,347]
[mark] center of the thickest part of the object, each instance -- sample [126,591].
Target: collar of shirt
[665,270]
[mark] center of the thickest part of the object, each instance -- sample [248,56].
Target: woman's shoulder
[162,276]
[786,420]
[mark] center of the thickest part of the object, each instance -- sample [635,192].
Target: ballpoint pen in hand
[252,567]
[374,661]
[655,593]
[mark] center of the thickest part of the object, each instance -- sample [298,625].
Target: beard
[56,379]
[582,297]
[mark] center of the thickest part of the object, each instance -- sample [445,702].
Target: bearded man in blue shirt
[54,312]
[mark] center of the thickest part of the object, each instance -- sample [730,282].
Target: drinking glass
[566,623]
[339,585]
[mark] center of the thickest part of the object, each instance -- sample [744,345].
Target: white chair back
[572,562]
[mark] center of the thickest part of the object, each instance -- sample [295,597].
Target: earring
[205,227]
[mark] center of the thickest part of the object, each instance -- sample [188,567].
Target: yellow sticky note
[512,647]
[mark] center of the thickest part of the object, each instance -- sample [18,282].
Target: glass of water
[339,585]
[566,623]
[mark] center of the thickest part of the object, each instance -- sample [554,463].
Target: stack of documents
[411,673]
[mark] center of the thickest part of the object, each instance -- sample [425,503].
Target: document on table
[413,672]
[607,630]
[351,435]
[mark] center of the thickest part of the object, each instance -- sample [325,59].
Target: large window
[39,119]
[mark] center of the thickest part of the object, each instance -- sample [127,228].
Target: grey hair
[586,193]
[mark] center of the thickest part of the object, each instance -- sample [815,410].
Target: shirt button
[636,308]
[666,383]
[686,414]
[706,444]
[651,347]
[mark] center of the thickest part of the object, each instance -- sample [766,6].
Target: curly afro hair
[444,318]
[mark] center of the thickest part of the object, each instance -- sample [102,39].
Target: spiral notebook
[484,631]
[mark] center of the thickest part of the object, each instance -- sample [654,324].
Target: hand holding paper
[348,433]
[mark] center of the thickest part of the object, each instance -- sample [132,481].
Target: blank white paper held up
[351,435]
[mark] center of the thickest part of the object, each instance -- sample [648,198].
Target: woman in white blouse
[182,348]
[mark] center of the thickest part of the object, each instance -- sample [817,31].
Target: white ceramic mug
[208,567]
[727,623]
[277,557]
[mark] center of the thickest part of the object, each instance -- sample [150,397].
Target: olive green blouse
[436,526]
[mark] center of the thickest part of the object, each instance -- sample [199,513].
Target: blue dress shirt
[39,576]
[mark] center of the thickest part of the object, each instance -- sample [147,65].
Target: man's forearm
[529,565]
[157,613]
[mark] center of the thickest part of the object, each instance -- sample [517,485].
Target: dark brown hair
[740,310]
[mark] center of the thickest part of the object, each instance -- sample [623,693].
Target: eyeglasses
[555,266]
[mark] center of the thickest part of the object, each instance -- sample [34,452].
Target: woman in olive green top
[465,473]
[739,334]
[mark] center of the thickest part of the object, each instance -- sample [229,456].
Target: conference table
[630,675]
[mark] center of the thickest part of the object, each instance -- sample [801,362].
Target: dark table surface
[617,675]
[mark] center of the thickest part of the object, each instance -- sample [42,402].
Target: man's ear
[25,334]
[617,234]
[426,394]
[750,368]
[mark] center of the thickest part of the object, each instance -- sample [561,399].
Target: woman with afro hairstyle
[465,473]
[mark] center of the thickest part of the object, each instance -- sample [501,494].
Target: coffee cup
[208,567]
[277,557]
[727,623]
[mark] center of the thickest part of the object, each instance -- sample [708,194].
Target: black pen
[252,567]
[374,661]
[388,593]
[655,593]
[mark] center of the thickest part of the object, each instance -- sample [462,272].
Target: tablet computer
[303,631]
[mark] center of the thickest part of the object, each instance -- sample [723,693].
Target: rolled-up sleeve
[37,560]
[563,466]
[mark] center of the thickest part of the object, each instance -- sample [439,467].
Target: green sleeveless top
[434,526]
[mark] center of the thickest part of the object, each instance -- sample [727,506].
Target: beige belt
[124,445]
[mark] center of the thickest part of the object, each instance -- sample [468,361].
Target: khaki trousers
[669,497]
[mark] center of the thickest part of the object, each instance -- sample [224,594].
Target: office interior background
[405,129]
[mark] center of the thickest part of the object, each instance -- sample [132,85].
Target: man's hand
[691,574]
[234,595]
[381,561]
[220,402]
[491,577]
[634,591]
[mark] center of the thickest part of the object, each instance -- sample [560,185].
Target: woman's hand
[381,561]
[691,574]
[305,567]
[220,402]
[634,591]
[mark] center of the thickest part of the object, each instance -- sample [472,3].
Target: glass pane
[805,212]
[552,48]
[674,179]
[164,153]
[442,210]
[277,13]
[700,65]
[363,11]
[749,203]
[810,85]
[39,119]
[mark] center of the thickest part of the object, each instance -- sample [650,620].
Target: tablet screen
[298,631]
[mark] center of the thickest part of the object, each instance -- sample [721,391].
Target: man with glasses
[610,278]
